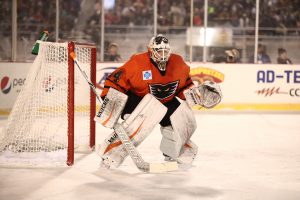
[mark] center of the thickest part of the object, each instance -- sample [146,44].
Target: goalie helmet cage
[53,114]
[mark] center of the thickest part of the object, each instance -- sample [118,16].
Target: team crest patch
[147,75]
[116,76]
[163,91]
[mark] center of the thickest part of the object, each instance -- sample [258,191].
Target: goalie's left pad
[111,108]
[176,138]
[138,126]
[207,95]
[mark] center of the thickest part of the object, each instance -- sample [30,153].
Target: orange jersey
[140,76]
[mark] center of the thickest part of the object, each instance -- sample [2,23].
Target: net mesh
[37,128]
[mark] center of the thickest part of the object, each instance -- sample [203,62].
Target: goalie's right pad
[138,126]
[207,95]
[111,108]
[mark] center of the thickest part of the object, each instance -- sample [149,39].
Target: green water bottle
[43,37]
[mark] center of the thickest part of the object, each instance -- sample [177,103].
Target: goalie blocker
[111,108]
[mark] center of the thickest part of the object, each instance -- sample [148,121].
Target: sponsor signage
[9,84]
[253,87]
[12,78]
[246,87]
[279,82]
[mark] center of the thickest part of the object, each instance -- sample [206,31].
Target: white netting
[38,124]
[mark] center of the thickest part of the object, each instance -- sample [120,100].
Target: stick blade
[163,167]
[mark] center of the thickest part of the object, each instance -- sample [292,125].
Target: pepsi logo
[5,85]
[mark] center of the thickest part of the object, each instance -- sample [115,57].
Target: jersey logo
[147,75]
[163,91]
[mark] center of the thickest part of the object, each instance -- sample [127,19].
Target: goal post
[71,69]
[53,114]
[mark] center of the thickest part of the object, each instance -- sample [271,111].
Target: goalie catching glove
[207,95]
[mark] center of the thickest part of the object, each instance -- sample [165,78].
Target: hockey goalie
[146,91]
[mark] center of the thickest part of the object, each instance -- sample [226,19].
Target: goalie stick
[130,148]
[72,54]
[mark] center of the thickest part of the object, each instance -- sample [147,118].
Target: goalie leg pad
[111,108]
[138,126]
[170,147]
[176,136]
[111,151]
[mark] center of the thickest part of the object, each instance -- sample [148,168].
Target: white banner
[267,87]
[12,78]
[254,87]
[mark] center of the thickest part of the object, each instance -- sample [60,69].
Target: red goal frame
[71,99]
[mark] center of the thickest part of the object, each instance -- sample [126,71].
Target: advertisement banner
[245,87]
[253,87]
[12,78]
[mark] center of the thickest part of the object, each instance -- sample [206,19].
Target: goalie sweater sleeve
[118,79]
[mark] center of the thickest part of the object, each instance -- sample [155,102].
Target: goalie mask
[159,51]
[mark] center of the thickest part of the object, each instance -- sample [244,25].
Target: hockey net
[53,114]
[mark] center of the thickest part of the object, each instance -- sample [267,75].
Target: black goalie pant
[134,100]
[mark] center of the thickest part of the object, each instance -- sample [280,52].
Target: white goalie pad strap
[111,108]
[183,126]
[138,126]
[207,95]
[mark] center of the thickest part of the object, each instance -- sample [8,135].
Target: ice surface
[241,156]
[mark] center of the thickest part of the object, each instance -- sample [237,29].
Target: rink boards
[245,87]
